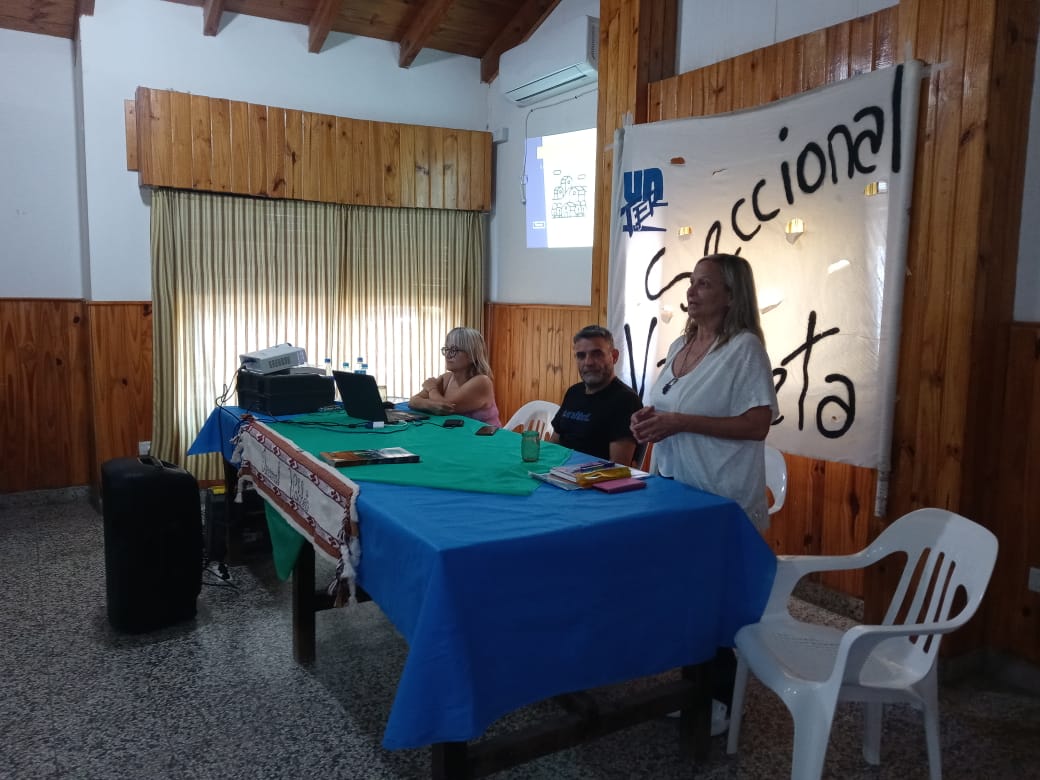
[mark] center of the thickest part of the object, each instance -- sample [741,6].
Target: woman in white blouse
[711,407]
[713,402]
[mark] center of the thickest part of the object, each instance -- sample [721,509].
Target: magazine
[342,458]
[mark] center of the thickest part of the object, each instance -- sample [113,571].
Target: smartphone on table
[487,430]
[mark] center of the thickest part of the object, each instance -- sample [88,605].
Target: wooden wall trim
[530,349]
[217,145]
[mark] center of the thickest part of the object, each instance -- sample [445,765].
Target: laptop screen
[362,399]
[360,395]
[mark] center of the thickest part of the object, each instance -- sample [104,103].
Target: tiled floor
[221,698]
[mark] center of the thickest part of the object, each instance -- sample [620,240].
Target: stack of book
[583,475]
[587,474]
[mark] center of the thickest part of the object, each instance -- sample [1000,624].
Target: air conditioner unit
[553,61]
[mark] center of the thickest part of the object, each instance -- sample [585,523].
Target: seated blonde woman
[466,387]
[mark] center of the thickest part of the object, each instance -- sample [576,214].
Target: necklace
[687,365]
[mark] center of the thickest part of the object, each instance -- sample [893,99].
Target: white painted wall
[715,30]
[39,198]
[519,274]
[127,43]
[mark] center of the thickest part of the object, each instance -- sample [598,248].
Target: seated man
[594,415]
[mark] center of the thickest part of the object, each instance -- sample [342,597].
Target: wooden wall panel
[275,153]
[201,143]
[182,140]
[121,378]
[45,400]
[530,348]
[216,145]
[1014,620]
[1006,123]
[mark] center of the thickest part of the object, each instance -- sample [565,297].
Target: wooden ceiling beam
[525,21]
[425,22]
[320,24]
[83,8]
[212,10]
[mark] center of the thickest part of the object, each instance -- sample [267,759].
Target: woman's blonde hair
[742,313]
[472,343]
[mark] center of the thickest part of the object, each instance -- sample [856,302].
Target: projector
[276,358]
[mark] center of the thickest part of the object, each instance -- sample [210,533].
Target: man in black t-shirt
[594,416]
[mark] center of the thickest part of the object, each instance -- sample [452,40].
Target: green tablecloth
[450,458]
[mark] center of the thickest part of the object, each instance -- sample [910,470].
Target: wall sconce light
[685,230]
[667,312]
[769,298]
[794,230]
[876,188]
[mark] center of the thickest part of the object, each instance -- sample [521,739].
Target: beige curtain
[419,273]
[233,275]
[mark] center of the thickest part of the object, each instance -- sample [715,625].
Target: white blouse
[727,382]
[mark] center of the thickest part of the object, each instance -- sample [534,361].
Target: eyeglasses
[452,351]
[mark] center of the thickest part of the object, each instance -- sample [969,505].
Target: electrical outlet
[1034,579]
[144,447]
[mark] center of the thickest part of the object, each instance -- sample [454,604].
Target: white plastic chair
[776,478]
[535,415]
[812,667]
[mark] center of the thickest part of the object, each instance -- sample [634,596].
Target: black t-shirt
[589,423]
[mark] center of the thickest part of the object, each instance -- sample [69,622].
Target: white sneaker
[217,573]
[719,717]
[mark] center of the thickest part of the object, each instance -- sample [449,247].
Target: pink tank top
[488,415]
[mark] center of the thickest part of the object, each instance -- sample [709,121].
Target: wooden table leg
[303,606]
[449,761]
[695,721]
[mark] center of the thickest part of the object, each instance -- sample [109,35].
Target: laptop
[361,399]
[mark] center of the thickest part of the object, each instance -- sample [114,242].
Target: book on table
[552,479]
[340,458]
[587,474]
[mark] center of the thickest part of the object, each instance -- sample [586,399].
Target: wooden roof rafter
[523,24]
[212,10]
[320,24]
[427,19]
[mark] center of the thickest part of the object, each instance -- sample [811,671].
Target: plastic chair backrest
[945,553]
[776,478]
[535,415]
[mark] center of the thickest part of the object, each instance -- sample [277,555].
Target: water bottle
[328,366]
[360,366]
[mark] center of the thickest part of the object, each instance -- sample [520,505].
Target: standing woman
[713,402]
[466,387]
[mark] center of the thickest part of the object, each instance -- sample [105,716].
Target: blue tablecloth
[220,428]
[507,600]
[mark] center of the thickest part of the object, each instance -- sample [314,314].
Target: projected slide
[561,179]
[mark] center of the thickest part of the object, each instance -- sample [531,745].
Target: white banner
[814,191]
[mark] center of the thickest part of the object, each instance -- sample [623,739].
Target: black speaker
[153,543]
